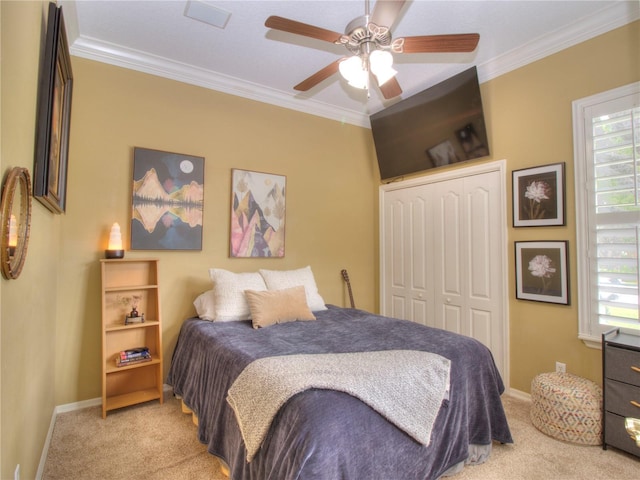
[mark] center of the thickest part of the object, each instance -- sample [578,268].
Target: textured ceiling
[247,59]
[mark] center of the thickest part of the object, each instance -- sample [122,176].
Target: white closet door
[450,291]
[407,263]
[468,274]
[443,258]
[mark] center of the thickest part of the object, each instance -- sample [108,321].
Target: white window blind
[607,163]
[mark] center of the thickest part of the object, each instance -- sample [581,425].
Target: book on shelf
[124,362]
[133,355]
[134,352]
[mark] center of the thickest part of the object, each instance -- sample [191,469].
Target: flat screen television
[441,125]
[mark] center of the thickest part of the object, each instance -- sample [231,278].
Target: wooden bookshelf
[123,283]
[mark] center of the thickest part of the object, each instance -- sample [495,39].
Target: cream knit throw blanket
[406,387]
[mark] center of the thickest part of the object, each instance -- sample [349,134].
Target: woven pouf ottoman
[567,407]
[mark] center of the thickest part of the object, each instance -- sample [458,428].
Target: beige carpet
[151,442]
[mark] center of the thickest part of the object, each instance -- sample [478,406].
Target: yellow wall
[530,123]
[28,304]
[50,336]
[331,199]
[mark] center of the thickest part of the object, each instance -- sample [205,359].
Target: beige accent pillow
[278,306]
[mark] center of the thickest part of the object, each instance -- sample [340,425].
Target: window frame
[628,96]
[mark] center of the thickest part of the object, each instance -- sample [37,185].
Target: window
[607,181]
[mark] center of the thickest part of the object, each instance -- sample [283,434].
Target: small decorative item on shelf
[133,316]
[114,250]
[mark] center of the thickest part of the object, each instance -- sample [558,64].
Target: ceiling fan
[368,39]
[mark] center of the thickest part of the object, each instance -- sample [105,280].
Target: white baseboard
[519,394]
[71,407]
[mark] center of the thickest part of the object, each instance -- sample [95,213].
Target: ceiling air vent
[207,13]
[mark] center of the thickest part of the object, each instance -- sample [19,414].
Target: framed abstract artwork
[538,196]
[258,206]
[167,201]
[54,116]
[542,273]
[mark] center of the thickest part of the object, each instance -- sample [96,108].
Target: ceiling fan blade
[385,12]
[317,77]
[390,88]
[464,42]
[299,28]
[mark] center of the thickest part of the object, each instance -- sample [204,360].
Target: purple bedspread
[323,434]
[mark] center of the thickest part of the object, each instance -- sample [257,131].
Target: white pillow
[205,305]
[281,279]
[228,288]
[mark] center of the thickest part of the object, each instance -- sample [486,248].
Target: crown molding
[117,55]
[619,14]
[615,16]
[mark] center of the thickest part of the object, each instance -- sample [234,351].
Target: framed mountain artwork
[258,202]
[167,201]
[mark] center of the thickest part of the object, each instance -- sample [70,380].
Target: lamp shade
[353,70]
[114,250]
[381,63]
[115,238]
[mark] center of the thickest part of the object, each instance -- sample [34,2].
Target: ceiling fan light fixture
[353,70]
[370,43]
[381,63]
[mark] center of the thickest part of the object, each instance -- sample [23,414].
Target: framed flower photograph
[542,273]
[538,196]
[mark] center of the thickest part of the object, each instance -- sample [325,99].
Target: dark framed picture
[538,196]
[542,273]
[167,201]
[258,211]
[54,116]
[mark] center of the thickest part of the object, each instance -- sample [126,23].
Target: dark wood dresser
[621,388]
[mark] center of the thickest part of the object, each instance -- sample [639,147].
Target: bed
[323,433]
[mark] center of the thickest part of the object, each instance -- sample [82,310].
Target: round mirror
[16,221]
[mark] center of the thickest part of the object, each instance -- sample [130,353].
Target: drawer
[616,435]
[618,397]
[619,363]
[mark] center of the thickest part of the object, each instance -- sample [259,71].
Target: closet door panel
[479,243]
[481,327]
[405,249]
[449,233]
[448,275]
[418,244]
[485,263]
[397,305]
[452,318]
[419,313]
[396,254]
